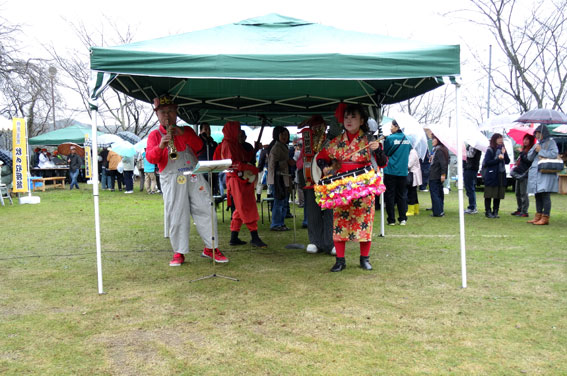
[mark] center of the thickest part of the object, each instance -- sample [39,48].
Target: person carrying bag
[542,183]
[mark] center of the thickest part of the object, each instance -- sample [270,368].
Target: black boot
[234,239]
[496,207]
[487,208]
[340,265]
[256,241]
[258,197]
[364,263]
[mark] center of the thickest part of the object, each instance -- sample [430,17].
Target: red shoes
[219,257]
[177,259]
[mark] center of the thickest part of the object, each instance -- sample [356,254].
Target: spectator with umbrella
[540,183]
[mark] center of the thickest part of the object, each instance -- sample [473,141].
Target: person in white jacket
[414,168]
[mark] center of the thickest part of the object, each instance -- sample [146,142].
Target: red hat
[340,112]
[43,149]
[162,101]
[312,121]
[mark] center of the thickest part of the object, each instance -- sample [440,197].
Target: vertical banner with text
[19,156]
[88,165]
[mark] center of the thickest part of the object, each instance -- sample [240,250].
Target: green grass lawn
[288,315]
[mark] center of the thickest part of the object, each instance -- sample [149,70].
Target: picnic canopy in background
[281,67]
[74,133]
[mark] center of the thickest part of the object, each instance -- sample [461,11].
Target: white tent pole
[94,180]
[382,230]
[460,191]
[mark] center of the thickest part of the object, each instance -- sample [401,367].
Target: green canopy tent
[74,133]
[273,68]
[280,67]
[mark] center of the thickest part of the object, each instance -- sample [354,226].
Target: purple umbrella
[543,116]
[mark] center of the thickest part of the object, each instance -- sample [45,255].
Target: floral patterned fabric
[353,222]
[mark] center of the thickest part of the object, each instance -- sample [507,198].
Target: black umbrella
[129,136]
[543,116]
[6,157]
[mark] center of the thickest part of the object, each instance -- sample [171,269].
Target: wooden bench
[58,182]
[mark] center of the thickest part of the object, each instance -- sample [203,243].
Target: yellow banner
[88,165]
[19,156]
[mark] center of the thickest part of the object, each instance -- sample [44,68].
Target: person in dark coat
[75,163]
[470,170]
[437,176]
[494,166]
[520,174]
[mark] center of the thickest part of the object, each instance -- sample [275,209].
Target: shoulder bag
[549,166]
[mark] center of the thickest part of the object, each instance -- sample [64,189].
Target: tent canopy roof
[276,66]
[74,133]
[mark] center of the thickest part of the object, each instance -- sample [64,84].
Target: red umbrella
[65,149]
[518,133]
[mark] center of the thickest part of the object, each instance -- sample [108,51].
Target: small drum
[342,189]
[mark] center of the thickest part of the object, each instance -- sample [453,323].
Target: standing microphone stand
[294,245]
[210,167]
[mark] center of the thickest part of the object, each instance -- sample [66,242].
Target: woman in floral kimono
[349,151]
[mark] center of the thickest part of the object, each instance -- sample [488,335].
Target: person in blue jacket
[397,147]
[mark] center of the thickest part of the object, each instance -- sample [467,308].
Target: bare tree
[428,108]
[25,84]
[535,46]
[117,111]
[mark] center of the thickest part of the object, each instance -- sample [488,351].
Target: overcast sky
[48,21]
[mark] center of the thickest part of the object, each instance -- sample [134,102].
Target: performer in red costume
[346,152]
[183,196]
[240,183]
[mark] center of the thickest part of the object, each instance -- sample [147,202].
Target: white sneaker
[311,248]
[333,251]
[127,192]
[402,223]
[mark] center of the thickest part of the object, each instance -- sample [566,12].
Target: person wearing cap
[184,196]
[75,162]
[239,189]
[319,222]
[397,148]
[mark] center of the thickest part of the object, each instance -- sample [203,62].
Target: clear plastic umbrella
[447,136]
[141,145]
[413,131]
[105,140]
[123,148]
[499,123]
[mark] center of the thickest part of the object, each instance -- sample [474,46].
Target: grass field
[288,315]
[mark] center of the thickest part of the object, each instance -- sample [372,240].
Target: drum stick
[356,151]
